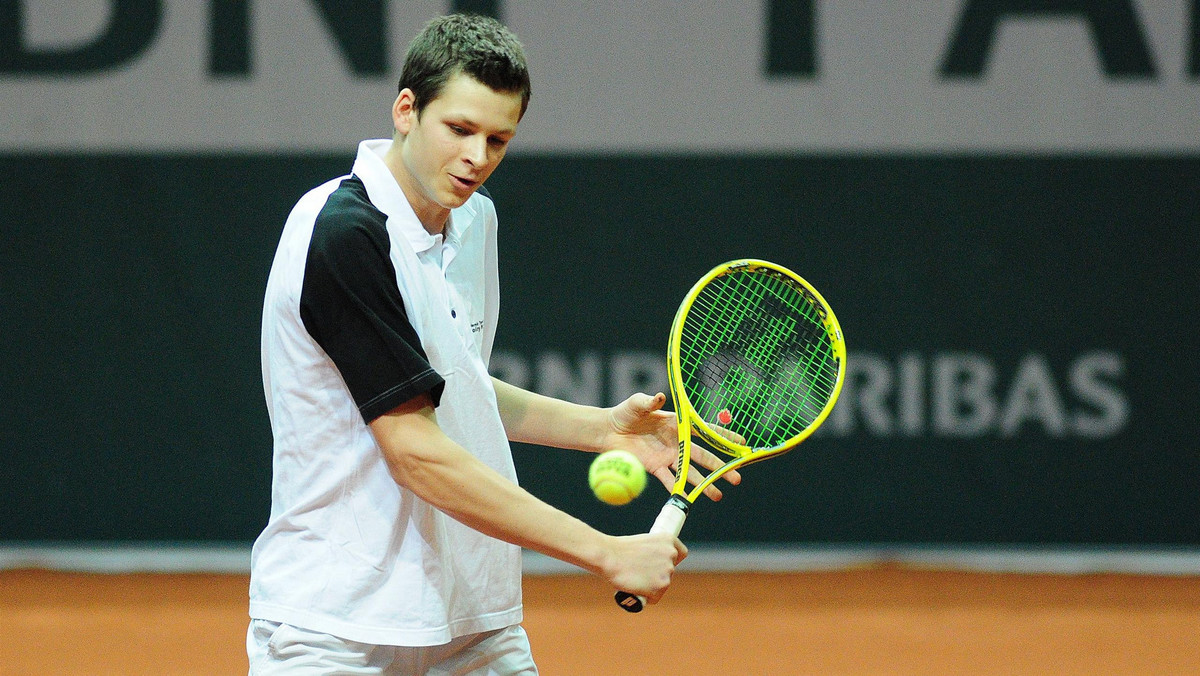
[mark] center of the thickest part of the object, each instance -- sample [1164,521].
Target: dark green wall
[131,285]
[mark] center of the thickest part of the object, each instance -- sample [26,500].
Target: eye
[461,131]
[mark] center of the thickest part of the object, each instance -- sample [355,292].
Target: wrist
[595,430]
[587,548]
[603,558]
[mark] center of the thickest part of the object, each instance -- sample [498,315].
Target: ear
[404,113]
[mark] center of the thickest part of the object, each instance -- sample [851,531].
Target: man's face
[455,144]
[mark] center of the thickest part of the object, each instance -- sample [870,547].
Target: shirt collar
[387,196]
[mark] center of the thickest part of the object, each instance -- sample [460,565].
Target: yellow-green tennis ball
[617,477]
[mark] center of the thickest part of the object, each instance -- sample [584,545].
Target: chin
[456,199]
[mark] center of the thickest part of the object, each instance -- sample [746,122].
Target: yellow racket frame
[674,512]
[690,423]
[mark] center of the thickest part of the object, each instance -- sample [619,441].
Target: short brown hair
[475,45]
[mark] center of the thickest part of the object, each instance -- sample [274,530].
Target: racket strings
[756,357]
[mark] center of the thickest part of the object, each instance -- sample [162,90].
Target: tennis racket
[756,361]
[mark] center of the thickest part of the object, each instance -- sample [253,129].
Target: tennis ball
[617,477]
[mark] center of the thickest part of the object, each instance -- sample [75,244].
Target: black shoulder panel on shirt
[351,305]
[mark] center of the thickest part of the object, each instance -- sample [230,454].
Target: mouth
[463,183]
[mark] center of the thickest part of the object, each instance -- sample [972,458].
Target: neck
[433,216]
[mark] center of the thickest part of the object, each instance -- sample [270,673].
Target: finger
[681,551]
[706,458]
[713,493]
[695,476]
[712,462]
[628,415]
[729,434]
[650,404]
[666,476]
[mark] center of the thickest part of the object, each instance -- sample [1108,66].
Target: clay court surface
[883,620]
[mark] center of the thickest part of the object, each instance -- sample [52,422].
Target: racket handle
[670,520]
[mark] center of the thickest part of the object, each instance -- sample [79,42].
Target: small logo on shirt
[476,327]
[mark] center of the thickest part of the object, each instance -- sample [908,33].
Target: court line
[234,558]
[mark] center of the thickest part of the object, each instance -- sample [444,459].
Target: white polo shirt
[364,310]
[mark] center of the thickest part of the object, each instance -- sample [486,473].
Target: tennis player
[396,527]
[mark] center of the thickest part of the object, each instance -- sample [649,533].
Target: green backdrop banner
[1021,329]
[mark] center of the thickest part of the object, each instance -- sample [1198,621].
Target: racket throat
[679,502]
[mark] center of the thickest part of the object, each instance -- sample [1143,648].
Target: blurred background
[999,200]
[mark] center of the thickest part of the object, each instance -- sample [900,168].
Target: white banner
[631,76]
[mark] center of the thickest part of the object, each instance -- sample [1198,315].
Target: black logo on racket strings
[774,400]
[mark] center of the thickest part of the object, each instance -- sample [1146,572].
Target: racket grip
[670,520]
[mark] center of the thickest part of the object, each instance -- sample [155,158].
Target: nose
[475,150]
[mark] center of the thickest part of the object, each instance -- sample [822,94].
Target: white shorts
[276,649]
